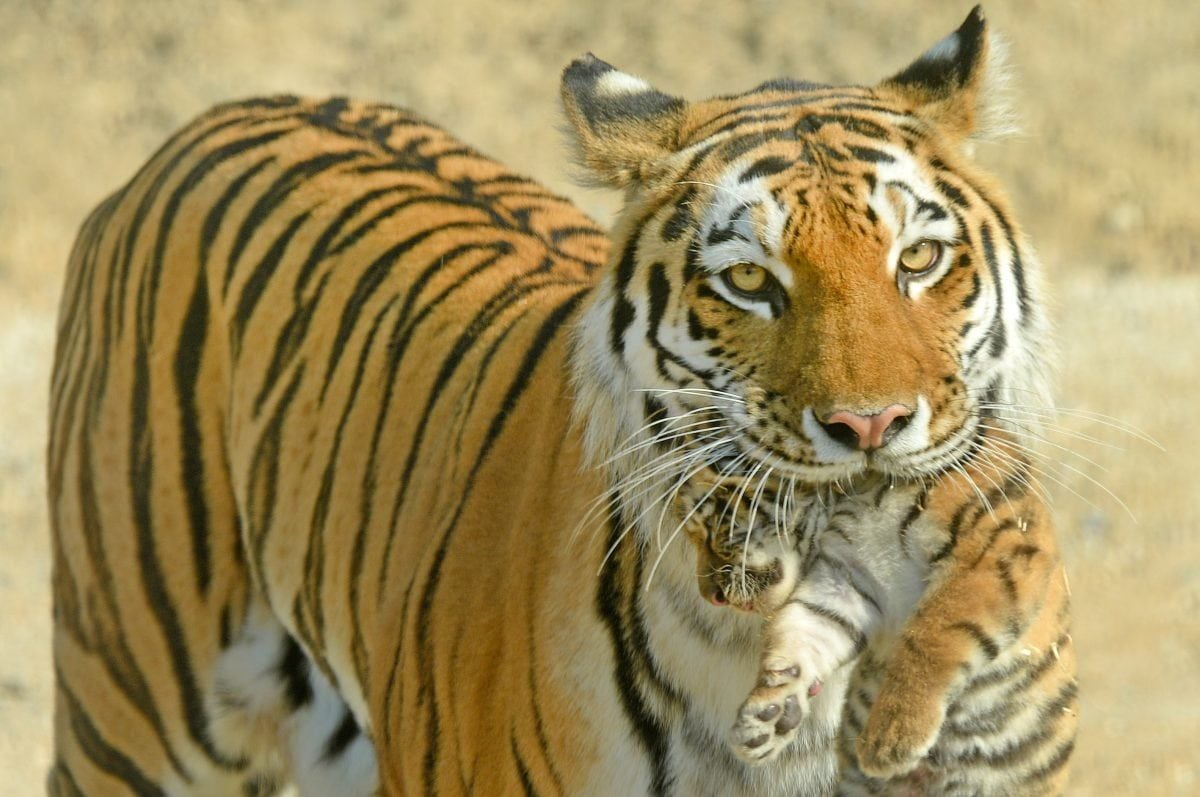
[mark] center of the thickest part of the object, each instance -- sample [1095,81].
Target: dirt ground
[1103,177]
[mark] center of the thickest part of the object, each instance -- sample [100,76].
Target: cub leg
[997,579]
[822,625]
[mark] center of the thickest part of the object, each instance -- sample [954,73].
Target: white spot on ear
[945,50]
[615,83]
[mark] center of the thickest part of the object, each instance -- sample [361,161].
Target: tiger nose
[867,432]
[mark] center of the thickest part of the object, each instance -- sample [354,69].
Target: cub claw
[897,738]
[768,720]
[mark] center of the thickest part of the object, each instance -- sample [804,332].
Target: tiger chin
[376,468]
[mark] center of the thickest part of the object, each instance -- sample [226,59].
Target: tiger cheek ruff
[376,468]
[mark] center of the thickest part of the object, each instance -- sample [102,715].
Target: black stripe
[371,279]
[1053,765]
[374,275]
[1015,266]
[660,291]
[357,557]
[112,648]
[495,306]
[651,731]
[765,167]
[93,745]
[914,512]
[314,558]
[924,206]
[148,301]
[293,670]
[287,343]
[188,356]
[216,213]
[545,334]
[494,220]
[154,583]
[972,297]
[682,217]
[855,634]
[539,726]
[264,475]
[527,787]
[953,194]
[871,155]
[1004,571]
[954,529]
[345,733]
[404,330]
[1007,525]
[162,172]
[320,249]
[851,124]
[623,311]
[998,340]
[981,637]
[288,181]
[61,782]
[1014,752]
[256,283]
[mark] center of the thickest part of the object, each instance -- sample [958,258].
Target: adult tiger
[313,470]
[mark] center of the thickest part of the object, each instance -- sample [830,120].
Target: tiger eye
[920,257]
[747,277]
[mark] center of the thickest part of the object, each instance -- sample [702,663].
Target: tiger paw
[768,720]
[898,735]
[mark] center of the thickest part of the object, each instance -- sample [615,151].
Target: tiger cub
[938,595]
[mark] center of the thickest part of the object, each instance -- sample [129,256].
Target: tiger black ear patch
[606,96]
[958,83]
[621,124]
[950,64]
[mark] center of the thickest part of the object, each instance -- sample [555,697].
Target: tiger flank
[375,468]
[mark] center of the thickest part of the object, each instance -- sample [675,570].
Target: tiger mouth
[745,453]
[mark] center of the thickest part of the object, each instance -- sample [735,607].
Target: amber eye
[747,278]
[920,257]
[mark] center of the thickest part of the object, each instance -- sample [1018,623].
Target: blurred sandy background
[1104,178]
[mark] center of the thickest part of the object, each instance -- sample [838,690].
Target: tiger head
[814,281]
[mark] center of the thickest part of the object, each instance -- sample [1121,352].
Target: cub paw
[897,737]
[768,720]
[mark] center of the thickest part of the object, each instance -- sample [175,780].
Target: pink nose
[867,432]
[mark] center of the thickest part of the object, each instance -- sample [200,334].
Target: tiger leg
[270,701]
[112,738]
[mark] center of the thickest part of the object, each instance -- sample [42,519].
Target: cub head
[807,282]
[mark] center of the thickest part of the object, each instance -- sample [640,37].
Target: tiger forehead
[796,211]
[804,149]
[816,118]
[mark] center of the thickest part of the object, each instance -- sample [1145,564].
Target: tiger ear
[959,84]
[621,125]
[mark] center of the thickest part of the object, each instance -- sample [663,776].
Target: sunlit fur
[372,465]
[929,563]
